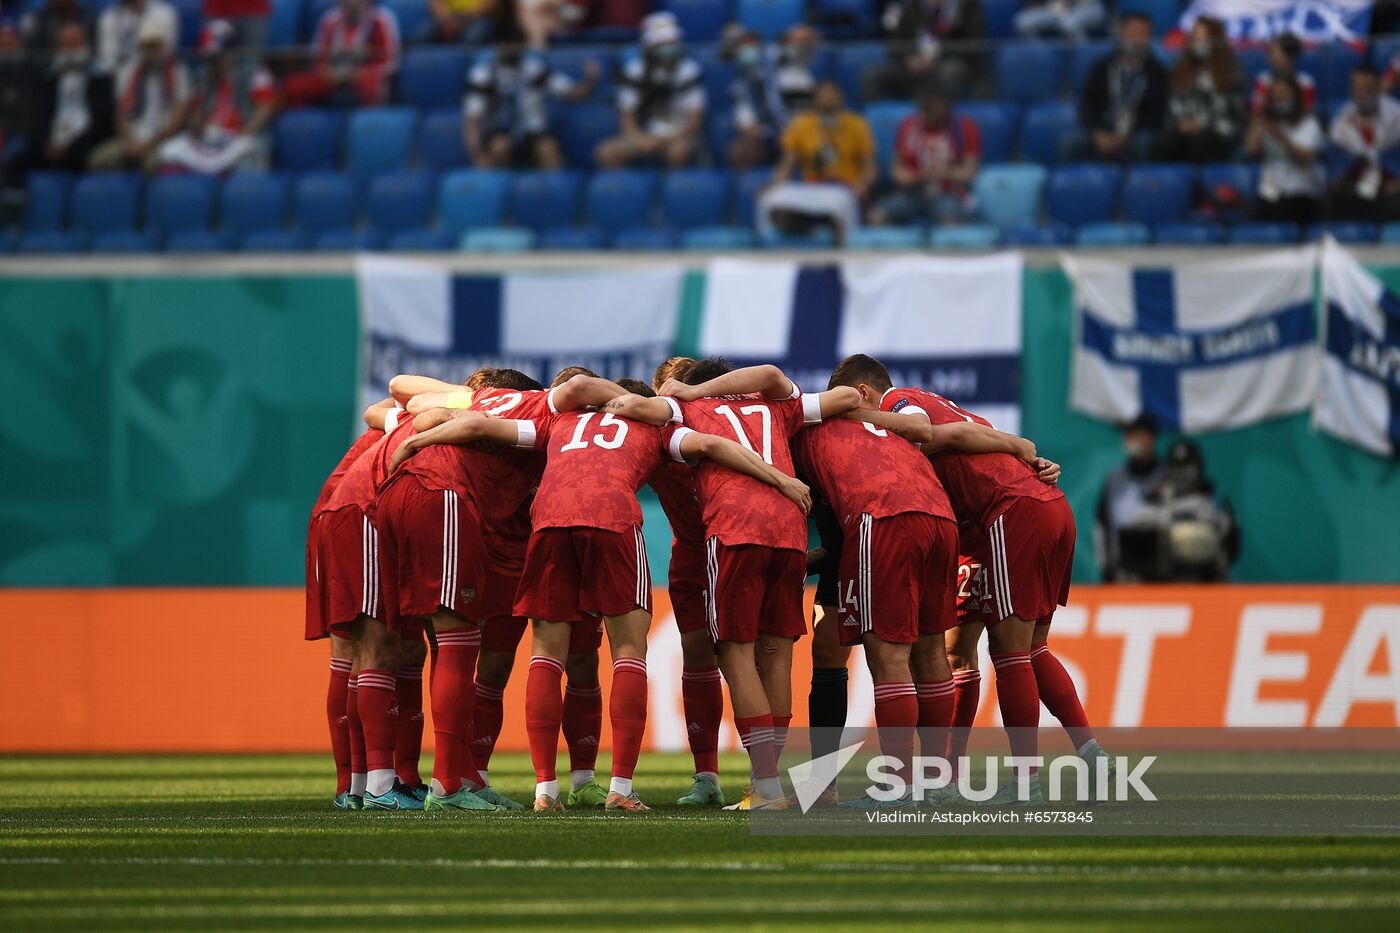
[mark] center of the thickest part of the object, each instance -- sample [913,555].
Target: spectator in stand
[1075,20]
[1289,140]
[917,30]
[121,23]
[936,155]
[1283,63]
[225,120]
[1125,494]
[507,118]
[72,109]
[357,51]
[1206,112]
[833,151]
[1124,100]
[661,102]
[40,28]
[17,81]
[1367,128]
[772,83]
[152,94]
[469,21]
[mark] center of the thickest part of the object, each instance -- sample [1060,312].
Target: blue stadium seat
[997,124]
[719,134]
[190,15]
[1009,195]
[965,236]
[1164,13]
[346,240]
[1191,233]
[1000,17]
[1330,65]
[1030,71]
[306,140]
[284,26]
[274,241]
[105,201]
[1045,127]
[399,201]
[1157,194]
[646,239]
[852,61]
[46,202]
[198,241]
[618,200]
[412,15]
[471,198]
[1390,234]
[1263,234]
[1344,232]
[884,119]
[821,239]
[312,11]
[379,139]
[1253,60]
[718,238]
[695,198]
[498,240]
[1083,56]
[905,238]
[846,19]
[41,242]
[718,75]
[1083,194]
[540,200]
[770,18]
[324,201]
[747,186]
[583,127]
[701,20]
[1039,235]
[440,142]
[1113,235]
[422,240]
[125,241]
[571,61]
[1240,177]
[179,203]
[432,77]
[253,201]
[573,238]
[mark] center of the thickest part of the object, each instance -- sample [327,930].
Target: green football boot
[947,796]
[703,793]
[491,795]
[392,799]
[462,800]
[591,794]
[348,801]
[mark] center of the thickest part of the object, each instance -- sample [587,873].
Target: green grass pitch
[236,843]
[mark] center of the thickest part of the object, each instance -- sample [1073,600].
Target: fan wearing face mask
[1205,117]
[1289,141]
[661,103]
[1368,129]
[771,83]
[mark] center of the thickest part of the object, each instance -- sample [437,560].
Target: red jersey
[675,487]
[526,404]
[597,462]
[862,469]
[364,477]
[362,443]
[977,484]
[739,509]
[921,147]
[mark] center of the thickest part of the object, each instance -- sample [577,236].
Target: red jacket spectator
[926,150]
[236,9]
[357,50]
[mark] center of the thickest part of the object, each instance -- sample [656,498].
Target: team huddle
[466,514]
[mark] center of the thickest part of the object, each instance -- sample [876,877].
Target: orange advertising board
[224,670]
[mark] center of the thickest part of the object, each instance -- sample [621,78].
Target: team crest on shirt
[899,404]
[468,593]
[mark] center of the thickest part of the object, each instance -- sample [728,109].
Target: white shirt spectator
[662,97]
[1368,138]
[118,26]
[512,97]
[150,94]
[1282,177]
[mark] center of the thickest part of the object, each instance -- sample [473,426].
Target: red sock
[454,694]
[1059,696]
[756,734]
[896,715]
[935,700]
[583,721]
[379,716]
[544,711]
[1019,701]
[408,745]
[486,728]
[627,711]
[967,690]
[704,710]
[780,731]
[338,718]
[354,727]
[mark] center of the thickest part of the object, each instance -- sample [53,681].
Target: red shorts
[687,587]
[348,555]
[755,589]
[575,572]
[1019,565]
[897,578]
[433,552]
[316,626]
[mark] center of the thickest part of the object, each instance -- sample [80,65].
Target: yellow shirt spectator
[838,148]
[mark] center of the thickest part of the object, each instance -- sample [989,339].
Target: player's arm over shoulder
[376,414]
[692,446]
[766,380]
[658,411]
[582,391]
[973,438]
[405,387]
[466,427]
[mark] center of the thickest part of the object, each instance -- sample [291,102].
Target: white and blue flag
[425,319]
[952,326]
[1200,346]
[1359,400]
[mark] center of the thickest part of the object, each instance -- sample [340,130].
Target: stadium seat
[619,200]
[105,201]
[190,17]
[422,240]
[1164,13]
[1158,194]
[1000,17]
[747,186]
[1042,235]
[700,20]
[717,73]
[440,143]
[1196,233]
[306,140]
[1030,71]
[540,200]
[583,127]
[379,139]
[572,60]
[471,198]
[400,201]
[884,119]
[1390,234]
[498,240]
[695,198]
[1239,177]
[1044,128]
[573,238]
[852,61]
[253,201]
[324,201]
[965,236]
[274,241]
[1083,194]
[1083,56]
[346,240]
[1263,234]
[997,124]
[845,19]
[821,239]
[52,241]
[1344,232]
[179,203]
[719,134]
[1009,195]
[197,241]
[718,238]
[413,18]
[432,77]
[284,26]
[905,238]
[124,241]
[770,18]
[312,11]
[1113,235]
[1330,65]
[46,201]
[648,239]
